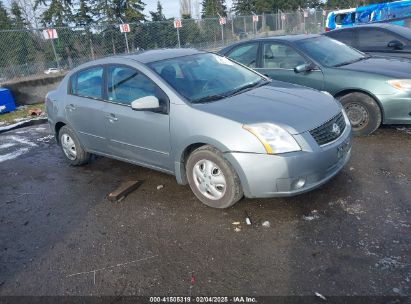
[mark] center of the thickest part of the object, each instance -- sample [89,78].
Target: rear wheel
[363,112]
[212,179]
[72,148]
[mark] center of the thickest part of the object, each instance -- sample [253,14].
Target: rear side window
[245,54]
[344,36]
[375,38]
[88,83]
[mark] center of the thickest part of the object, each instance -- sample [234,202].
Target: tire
[363,112]
[212,179]
[71,147]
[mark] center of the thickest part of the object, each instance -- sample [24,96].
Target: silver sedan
[222,128]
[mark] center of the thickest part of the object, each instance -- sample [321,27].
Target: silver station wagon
[223,128]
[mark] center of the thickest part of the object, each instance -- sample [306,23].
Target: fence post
[178,38]
[222,34]
[125,36]
[55,54]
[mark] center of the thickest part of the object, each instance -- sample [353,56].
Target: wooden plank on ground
[123,190]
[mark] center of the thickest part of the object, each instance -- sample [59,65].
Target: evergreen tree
[213,8]
[57,12]
[128,10]
[158,15]
[17,16]
[5,20]
[244,7]
[85,13]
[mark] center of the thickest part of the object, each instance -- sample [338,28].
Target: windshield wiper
[247,87]
[352,61]
[212,98]
[209,98]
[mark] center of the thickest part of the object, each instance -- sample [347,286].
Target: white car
[51,71]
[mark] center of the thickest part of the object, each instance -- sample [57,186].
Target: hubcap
[209,179]
[357,114]
[69,147]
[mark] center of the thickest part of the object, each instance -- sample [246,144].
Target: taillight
[327,29]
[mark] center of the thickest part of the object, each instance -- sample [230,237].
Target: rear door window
[369,38]
[88,83]
[245,54]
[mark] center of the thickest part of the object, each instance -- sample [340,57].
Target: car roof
[290,37]
[160,54]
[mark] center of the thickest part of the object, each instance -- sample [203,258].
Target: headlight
[400,84]
[274,138]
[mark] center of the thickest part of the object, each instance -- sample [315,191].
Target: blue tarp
[374,13]
[6,101]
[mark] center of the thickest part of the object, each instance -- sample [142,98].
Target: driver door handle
[111,117]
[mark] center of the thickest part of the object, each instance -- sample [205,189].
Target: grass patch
[20,114]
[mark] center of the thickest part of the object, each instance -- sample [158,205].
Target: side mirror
[306,67]
[395,44]
[147,103]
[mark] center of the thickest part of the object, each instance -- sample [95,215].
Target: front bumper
[396,108]
[289,174]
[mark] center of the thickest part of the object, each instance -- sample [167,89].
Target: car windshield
[206,77]
[329,52]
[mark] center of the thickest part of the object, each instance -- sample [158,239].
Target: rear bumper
[289,174]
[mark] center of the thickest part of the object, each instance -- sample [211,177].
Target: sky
[171,8]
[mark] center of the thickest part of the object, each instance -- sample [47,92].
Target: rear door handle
[111,117]
[70,107]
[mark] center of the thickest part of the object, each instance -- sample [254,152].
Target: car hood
[295,108]
[391,67]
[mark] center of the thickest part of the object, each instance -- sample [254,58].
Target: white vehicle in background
[393,12]
[51,71]
[340,18]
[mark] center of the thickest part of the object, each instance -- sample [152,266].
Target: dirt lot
[59,235]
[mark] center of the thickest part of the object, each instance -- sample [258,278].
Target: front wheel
[72,148]
[212,179]
[363,112]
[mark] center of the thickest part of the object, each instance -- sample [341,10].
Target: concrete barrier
[32,90]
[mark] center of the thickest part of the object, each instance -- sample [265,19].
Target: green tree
[57,12]
[5,20]
[17,16]
[213,8]
[244,7]
[342,4]
[158,15]
[128,10]
[85,13]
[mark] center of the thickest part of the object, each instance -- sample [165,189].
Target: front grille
[328,131]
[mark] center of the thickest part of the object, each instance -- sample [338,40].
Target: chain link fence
[26,54]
